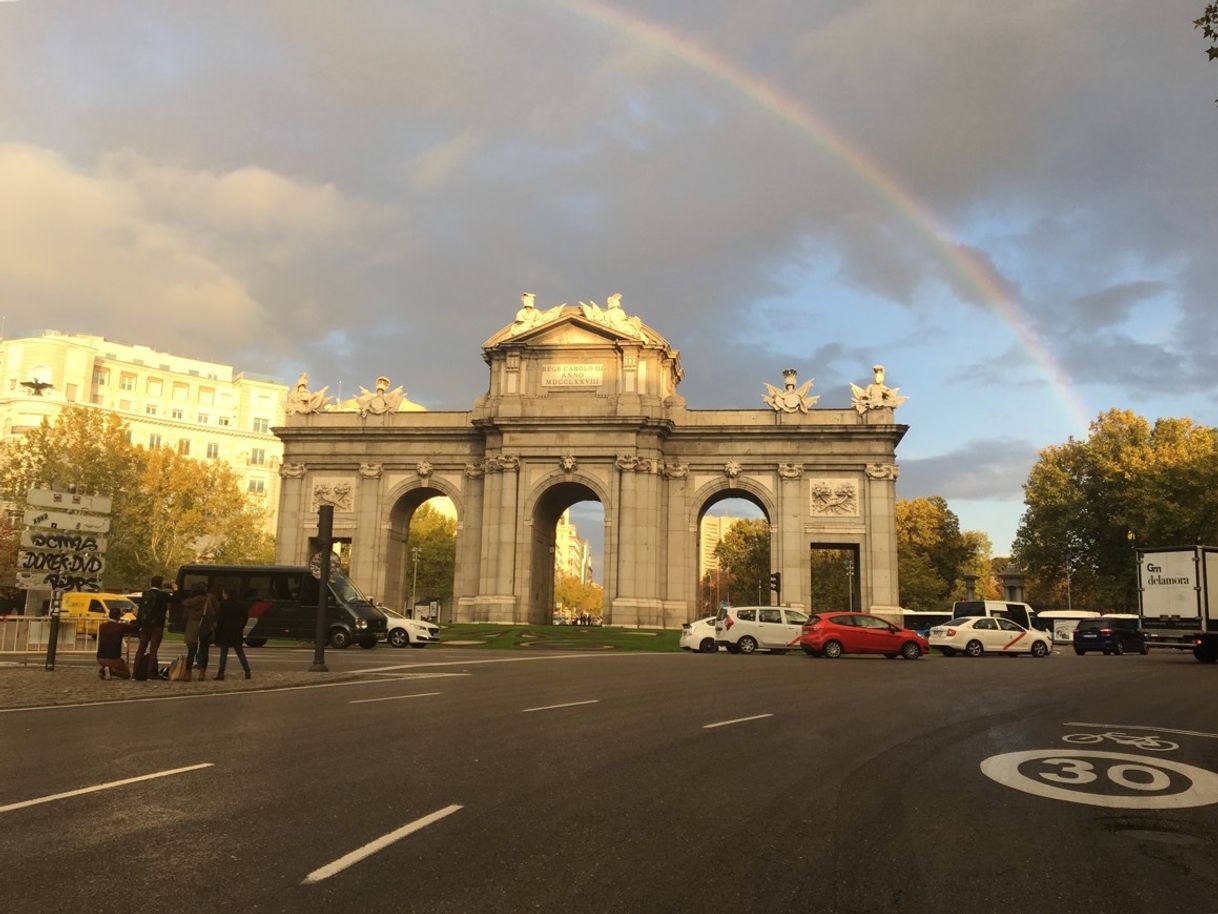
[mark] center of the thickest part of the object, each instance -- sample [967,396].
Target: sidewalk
[33,686]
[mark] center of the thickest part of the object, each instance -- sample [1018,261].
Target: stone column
[680,602]
[290,544]
[790,545]
[368,538]
[879,577]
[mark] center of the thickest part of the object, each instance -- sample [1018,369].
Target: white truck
[1176,598]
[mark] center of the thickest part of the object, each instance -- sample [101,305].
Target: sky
[1012,206]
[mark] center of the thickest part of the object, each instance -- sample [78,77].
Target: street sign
[46,498]
[38,517]
[64,541]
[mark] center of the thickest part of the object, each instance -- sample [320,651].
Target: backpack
[146,615]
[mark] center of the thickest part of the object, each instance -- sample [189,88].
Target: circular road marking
[1128,781]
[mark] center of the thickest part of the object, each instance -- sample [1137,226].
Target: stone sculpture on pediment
[883,471]
[833,498]
[613,317]
[423,468]
[292,470]
[370,470]
[875,395]
[301,401]
[567,463]
[790,399]
[338,493]
[790,470]
[529,317]
[379,401]
[732,469]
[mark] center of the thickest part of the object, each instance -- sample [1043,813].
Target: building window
[150,409]
[258,457]
[124,404]
[154,440]
[262,425]
[203,418]
[213,451]
[180,391]
[207,396]
[257,486]
[101,377]
[126,381]
[184,447]
[177,413]
[223,420]
[155,387]
[96,399]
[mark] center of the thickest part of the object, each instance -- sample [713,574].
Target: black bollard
[325,543]
[53,642]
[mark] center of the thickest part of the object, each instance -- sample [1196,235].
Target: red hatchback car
[833,634]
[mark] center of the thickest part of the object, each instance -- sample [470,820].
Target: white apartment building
[714,529]
[572,555]
[200,409]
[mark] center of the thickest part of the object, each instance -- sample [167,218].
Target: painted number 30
[1077,771]
[1110,779]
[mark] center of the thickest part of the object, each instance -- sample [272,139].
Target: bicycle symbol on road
[1150,743]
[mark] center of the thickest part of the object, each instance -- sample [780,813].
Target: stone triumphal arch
[583,405]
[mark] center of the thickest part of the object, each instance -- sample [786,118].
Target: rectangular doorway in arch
[835,578]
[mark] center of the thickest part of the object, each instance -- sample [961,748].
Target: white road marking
[133,701]
[738,720]
[365,701]
[372,847]
[1134,727]
[1112,770]
[569,704]
[107,786]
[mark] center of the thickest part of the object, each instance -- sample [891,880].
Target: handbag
[178,671]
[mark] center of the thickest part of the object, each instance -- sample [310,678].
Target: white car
[977,635]
[745,629]
[400,631]
[699,636]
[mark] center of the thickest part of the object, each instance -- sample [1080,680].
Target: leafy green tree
[435,536]
[166,509]
[931,552]
[831,584]
[585,598]
[1129,483]
[1208,24]
[744,557]
[979,563]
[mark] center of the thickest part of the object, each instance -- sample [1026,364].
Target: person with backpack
[154,605]
[199,612]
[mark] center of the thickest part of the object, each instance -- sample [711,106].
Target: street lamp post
[414,580]
[850,584]
[1068,606]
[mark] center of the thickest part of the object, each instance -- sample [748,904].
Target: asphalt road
[632,782]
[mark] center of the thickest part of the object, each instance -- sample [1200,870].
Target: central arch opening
[567,567]
[734,548]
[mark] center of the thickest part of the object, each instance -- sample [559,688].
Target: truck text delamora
[1177,600]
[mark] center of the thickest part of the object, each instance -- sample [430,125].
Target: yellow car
[80,605]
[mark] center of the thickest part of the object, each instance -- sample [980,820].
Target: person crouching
[110,634]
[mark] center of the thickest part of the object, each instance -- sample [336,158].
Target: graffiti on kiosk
[64,541]
[58,581]
[70,563]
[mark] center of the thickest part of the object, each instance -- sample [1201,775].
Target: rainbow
[976,273]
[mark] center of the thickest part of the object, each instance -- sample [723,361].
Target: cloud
[992,469]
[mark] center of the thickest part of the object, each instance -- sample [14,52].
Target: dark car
[1110,634]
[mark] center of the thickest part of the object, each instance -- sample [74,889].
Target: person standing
[230,629]
[153,606]
[110,635]
[194,611]
[207,630]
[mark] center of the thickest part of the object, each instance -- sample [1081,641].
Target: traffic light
[776,583]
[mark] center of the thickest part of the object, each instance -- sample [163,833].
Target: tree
[744,557]
[1129,483]
[583,598]
[435,536]
[166,509]
[1208,24]
[931,552]
[981,564]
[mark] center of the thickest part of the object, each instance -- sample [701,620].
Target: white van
[1060,624]
[744,629]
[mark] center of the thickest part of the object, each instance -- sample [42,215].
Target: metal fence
[30,635]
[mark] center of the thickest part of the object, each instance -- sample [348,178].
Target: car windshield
[345,591]
[962,620]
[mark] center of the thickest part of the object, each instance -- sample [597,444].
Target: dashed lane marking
[330,869]
[107,786]
[368,701]
[569,704]
[738,720]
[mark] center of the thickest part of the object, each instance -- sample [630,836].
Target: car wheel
[809,651]
[746,645]
[1145,648]
[1039,649]
[1079,651]
[1204,654]
[832,649]
[255,642]
[339,639]
[399,638]
[707,646]
[973,649]
[1118,649]
[910,651]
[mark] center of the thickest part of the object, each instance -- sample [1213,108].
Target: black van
[282,603]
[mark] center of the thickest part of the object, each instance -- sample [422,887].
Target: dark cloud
[993,469]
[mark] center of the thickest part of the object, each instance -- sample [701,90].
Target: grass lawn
[559,637]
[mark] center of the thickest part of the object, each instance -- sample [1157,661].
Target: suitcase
[141,669]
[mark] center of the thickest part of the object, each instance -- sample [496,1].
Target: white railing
[31,635]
